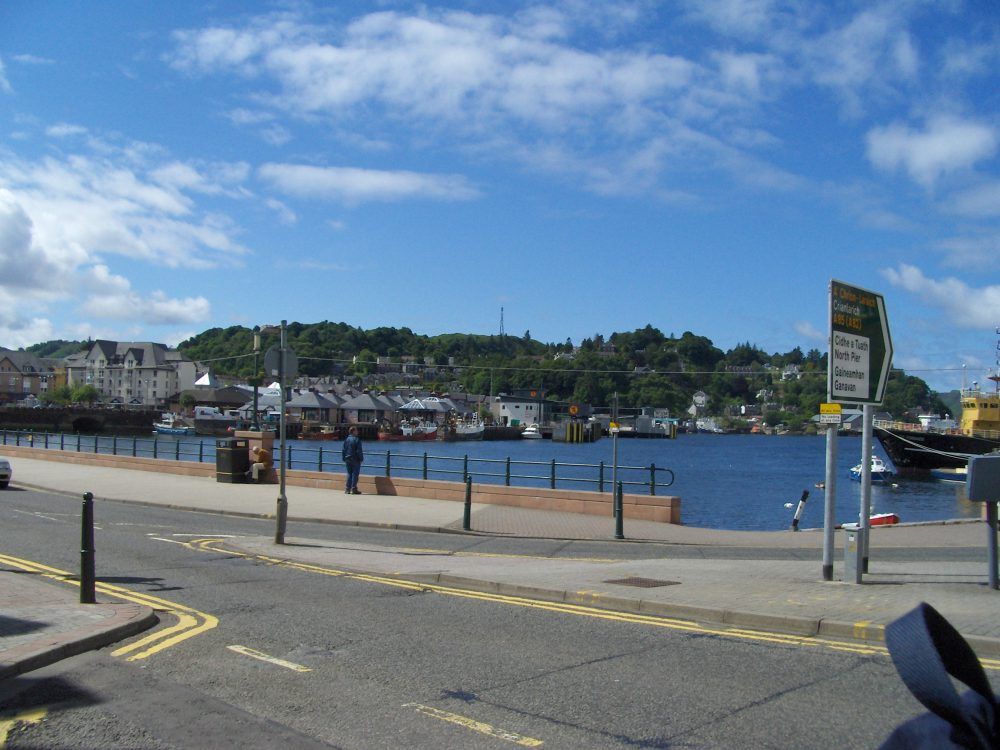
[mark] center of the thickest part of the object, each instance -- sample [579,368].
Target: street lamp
[254,422]
[281,515]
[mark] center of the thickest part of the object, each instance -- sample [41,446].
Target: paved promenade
[765,580]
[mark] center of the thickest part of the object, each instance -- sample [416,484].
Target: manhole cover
[643,583]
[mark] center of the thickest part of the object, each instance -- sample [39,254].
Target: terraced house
[132,373]
[23,374]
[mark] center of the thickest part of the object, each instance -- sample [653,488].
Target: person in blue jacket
[353,456]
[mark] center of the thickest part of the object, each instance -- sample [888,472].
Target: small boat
[883,519]
[531,432]
[171,424]
[881,473]
[958,474]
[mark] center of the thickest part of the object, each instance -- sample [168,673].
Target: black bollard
[87,595]
[467,515]
[619,513]
[798,510]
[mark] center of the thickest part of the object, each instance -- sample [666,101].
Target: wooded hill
[645,367]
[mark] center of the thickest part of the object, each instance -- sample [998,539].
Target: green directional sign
[860,346]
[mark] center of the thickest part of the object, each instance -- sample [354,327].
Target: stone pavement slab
[41,622]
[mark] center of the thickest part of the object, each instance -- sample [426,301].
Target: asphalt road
[302,659]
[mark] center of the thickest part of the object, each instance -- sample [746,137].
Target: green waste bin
[232,460]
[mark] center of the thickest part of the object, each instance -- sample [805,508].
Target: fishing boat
[531,432]
[880,471]
[413,429]
[937,443]
[171,424]
[458,430]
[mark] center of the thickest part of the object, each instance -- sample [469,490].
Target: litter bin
[232,460]
[852,552]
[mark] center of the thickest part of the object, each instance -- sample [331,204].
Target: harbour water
[724,481]
[738,482]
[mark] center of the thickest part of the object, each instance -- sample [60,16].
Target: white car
[5,473]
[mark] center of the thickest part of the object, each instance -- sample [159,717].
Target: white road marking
[260,655]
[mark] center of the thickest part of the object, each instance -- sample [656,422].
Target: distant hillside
[952,400]
[644,367]
[58,348]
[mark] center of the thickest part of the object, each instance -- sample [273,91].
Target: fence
[504,471]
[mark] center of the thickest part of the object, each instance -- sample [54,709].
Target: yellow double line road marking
[190,622]
[580,610]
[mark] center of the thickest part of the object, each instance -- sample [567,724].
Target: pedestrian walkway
[765,580]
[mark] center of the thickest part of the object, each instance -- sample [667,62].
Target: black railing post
[506,479]
[201,451]
[619,513]
[465,468]
[388,461]
[46,439]
[289,457]
[425,465]
[552,475]
[62,441]
[177,450]
[467,514]
[319,463]
[600,477]
[154,448]
[114,445]
[652,479]
[78,442]
[97,442]
[134,441]
[87,550]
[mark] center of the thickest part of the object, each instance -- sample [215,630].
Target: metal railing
[506,471]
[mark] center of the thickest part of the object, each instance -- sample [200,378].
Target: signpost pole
[829,501]
[866,484]
[281,516]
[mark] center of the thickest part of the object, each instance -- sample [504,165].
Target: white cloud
[978,201]
[152,309]
[978,252]
[33,60]
[946,145]
[285,214]
[65,130]
[352,185]
[807,330]
[966,306]
[5,87]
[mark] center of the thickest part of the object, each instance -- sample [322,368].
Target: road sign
[831,409]
[272,363]
[860,346]
[829,418]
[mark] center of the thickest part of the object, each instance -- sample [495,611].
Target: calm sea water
[724,481]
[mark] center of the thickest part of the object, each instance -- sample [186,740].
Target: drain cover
[643,583]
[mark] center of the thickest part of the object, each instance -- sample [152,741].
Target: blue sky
[589,167]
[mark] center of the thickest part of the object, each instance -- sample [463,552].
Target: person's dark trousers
[353,472]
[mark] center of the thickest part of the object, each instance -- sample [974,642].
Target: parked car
[6,472]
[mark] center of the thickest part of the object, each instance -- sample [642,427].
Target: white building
[139,373]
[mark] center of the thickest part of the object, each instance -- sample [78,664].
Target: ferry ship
[936,444]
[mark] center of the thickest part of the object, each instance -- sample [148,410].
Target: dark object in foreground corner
[87,576]
[926,649]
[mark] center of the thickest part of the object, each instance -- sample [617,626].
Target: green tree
[85,394]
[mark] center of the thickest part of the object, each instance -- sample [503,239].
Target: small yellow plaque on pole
[830,409]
